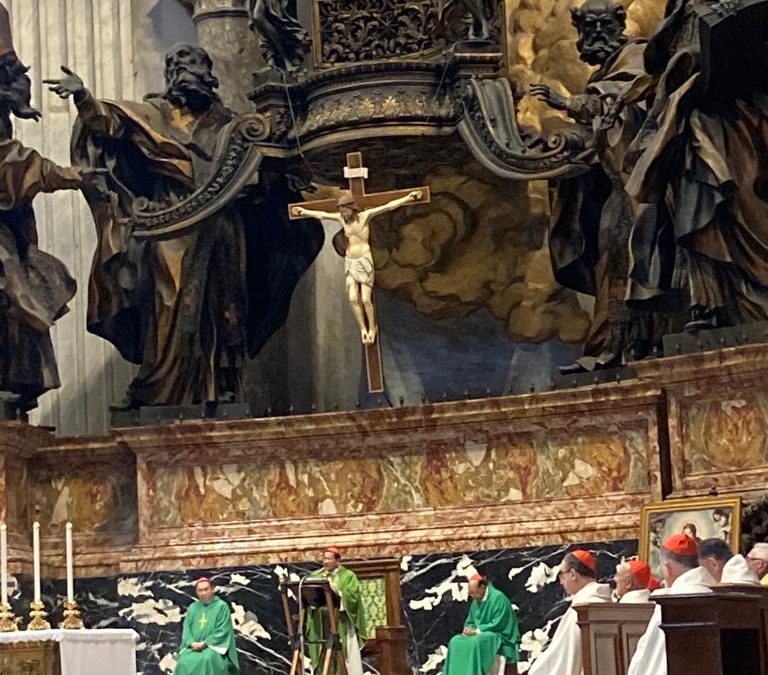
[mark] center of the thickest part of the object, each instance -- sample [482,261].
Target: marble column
[223,31]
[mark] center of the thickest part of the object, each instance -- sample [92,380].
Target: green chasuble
[345,583]
[499,633]
[211,624]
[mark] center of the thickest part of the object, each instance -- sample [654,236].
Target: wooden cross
[356,174]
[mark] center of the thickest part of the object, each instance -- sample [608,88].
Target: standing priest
[490,629]
[208,639]
[352,625]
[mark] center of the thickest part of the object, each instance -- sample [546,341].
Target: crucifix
[353,212]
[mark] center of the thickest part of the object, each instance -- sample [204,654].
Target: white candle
[36,558]
[4,563]
[70,566]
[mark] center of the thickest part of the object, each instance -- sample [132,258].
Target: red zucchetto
[681,544]
[585,558]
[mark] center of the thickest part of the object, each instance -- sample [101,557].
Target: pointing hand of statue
[549,96]
[66,86]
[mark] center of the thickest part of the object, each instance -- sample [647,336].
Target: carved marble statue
[697,167]
[592,216]
[358,260]
[188,305]
[35,287]
[284,42]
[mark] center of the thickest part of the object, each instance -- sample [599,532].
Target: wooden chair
[380,586]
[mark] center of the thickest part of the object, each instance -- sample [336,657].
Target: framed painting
[699,518]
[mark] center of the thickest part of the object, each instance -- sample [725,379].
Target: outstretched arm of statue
[91,112]
[412,196]
[545,93]
[24,173]
[301,212]
[584,107]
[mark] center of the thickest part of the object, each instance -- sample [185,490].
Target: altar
[69,652]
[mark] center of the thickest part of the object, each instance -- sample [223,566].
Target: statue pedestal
[717,338]
[11,409]
[592,377]
[165,414]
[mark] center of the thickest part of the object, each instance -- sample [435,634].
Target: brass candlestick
[37,615]
[7,619]
[72,615]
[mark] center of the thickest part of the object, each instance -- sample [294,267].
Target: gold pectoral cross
[203,621]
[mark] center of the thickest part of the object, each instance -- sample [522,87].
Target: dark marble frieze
[434,601]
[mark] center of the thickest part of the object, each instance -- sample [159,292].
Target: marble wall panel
[433,590]
[17,506]
[546,468]
[717,419]
[480,466]
[725,434]
[93,488]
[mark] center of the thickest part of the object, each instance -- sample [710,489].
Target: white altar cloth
[86,652]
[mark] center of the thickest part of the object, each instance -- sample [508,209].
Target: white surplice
[636,597]
[651,655]
[563,655]
[737,571]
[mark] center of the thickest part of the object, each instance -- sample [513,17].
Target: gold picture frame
[700,517]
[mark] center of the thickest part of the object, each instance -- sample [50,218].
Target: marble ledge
[512,410]
[206,546]
[163,559]
[732,364]
[750,484]
[22,440]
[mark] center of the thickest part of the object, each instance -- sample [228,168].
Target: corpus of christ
[341,338]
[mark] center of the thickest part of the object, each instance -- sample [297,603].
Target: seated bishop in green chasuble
[208,638]
[490,629]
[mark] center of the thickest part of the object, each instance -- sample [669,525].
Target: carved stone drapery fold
[240,160]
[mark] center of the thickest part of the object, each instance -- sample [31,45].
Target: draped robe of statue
[34,286]
[698,171]
[563,654]
[352,623]
[189,308]
[211,624]
[498,633]
[593,217]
